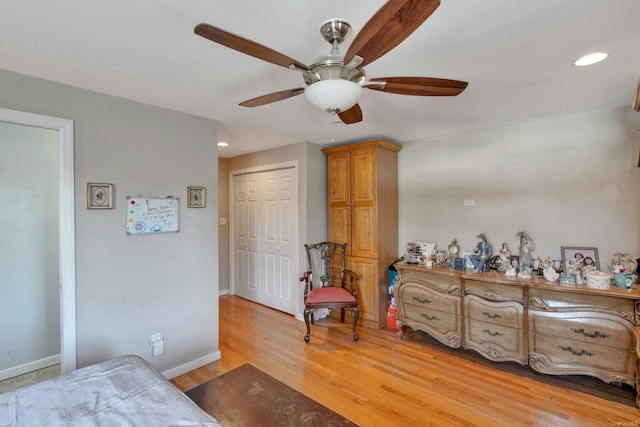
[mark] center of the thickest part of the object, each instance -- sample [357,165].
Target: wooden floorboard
[380,381]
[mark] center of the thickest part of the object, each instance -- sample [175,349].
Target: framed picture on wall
[587,255]
[99,196]
[196,197]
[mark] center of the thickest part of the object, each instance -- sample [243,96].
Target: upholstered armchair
[328,285]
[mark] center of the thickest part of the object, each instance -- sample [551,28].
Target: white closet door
[280,221]
[246,239]
[265,239]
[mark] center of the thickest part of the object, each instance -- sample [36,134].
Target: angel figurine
[526,246]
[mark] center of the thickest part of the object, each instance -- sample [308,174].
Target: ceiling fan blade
[420,86]
[246,46]
[351,116]
[393,23]
[272,97]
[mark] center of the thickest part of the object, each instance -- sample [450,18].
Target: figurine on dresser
[505,257]
[525,249]
[481,254]
[548,271]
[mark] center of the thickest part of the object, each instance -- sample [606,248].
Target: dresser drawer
[585,326]
[444,284]
[493,291]
[550,300]
[428,298]
[563,356]
[444,327]
[495,342]
[505,313]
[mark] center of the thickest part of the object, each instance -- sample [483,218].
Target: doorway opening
[66,225]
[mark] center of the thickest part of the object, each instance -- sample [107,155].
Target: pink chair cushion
[330,295]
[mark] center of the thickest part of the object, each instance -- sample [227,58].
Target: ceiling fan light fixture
[333,96]
[590,59]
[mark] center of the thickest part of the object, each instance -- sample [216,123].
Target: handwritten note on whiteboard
[149,215]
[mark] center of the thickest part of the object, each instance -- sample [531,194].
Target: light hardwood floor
[380,381]
[29,378]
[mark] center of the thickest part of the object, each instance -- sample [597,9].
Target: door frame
[67,250]
[232,223]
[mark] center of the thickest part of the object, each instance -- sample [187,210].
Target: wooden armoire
[363,212]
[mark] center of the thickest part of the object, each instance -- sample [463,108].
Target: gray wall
[129,287]
[29,297]
[568,181]
[223,230]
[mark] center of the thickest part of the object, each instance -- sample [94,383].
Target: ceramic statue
[550,273]
[481,253]
[525,249]
[505,257]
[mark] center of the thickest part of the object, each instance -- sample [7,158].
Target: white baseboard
[29,367]
[190,366]
[223,292]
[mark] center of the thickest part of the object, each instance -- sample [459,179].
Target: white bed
[126,391]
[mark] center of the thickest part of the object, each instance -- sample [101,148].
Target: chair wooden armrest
[349,278]
[308,283]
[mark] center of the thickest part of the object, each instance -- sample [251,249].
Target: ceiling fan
[335,83]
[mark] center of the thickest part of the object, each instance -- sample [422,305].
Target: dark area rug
[246,396]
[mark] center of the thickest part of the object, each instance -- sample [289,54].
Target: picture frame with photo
[588,254]
[196,197]
[99,195]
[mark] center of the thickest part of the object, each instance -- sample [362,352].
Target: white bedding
[125,391]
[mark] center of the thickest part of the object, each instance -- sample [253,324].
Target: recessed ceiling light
[222,144]
[591,58]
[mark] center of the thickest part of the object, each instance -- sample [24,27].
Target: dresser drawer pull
[422,301]
[596,334]
[576,353]
[491,316]
[493,334]
[426,316]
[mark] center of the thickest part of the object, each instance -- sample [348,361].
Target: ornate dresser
[554,329]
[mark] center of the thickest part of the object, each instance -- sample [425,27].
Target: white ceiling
[516,55]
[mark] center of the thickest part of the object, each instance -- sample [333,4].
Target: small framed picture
[196,197]
[586,256]
[99,196]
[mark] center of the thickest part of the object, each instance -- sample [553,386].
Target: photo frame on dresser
[588,254]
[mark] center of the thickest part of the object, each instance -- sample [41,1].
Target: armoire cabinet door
[364,221]
[339,172]
[368,294]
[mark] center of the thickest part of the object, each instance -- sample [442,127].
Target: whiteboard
[152,215]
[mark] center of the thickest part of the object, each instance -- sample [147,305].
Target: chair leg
[342,315]
[356,314]
[307,320]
